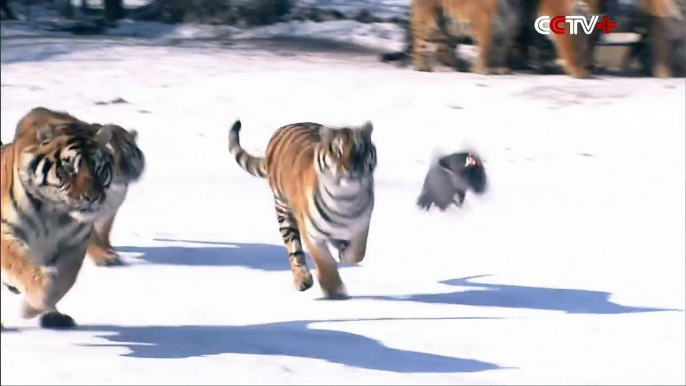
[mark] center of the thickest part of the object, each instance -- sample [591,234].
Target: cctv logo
[544,24]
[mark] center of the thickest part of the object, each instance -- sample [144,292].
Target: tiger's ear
[45,133]
[134,135]
[367,129]
[327,133]
[104,135]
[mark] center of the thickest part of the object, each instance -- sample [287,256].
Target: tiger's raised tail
[250,163]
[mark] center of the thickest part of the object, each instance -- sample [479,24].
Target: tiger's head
[67,170]
[130,160]
[347,154]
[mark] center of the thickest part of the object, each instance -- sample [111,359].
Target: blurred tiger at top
[550,53]
[53,182]
[490,24]
[322,179]
[129,167]
[661,25]
[503,31]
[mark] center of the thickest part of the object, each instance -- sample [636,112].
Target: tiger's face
[347,154]
[130,160]
[68,172]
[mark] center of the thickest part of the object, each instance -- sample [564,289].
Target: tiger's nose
[93,197]
[90,198]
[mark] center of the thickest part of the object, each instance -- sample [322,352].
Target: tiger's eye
[68,167]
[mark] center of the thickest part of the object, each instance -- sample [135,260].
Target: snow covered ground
[570,271]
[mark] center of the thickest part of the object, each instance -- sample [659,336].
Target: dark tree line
[251,12]
[113,9]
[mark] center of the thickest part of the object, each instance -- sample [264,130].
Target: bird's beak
[470,161]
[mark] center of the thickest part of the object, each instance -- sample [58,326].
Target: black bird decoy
[450,177]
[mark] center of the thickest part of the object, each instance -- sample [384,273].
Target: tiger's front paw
[661,71]
[302,279]
[421,67]
[338,294]
[104,257]
[111,261]
[57,321]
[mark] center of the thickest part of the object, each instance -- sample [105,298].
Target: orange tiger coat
[490,24]
[323,185]
[52,184]
[130,165]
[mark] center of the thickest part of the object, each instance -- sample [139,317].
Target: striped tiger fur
[129,167]
[322,179]
[53,184]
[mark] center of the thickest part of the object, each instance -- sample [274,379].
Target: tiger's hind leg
[421,28]
[446,53]
[492,41]
[288,227]
[660,47]
[569,48]
[483,39]
[327,270]
[100,249]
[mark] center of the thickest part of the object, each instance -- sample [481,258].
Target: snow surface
[570,271]
[384,9]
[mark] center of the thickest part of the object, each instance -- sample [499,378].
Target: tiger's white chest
[339,211]
[115,197]
[50,248]
[49,234]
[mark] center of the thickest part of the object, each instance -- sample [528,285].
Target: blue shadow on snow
[265,257]
[571,301]
[294,338]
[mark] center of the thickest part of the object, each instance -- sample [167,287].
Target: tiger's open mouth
[87,208]
[352,177]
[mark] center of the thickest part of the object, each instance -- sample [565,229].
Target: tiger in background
[448,23]
[574,52]
[503,31]
[129,167]
[662,47]
[322,179]
[52,185]
[553,53]
[661,25]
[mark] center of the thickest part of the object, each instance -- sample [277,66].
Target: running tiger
[129,167]
[51,187]
[322,179]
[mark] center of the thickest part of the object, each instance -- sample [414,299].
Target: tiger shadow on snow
[291,338]
[265,257]
[570,301]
